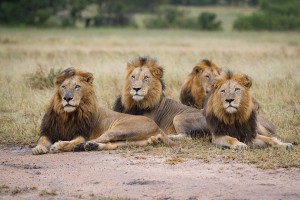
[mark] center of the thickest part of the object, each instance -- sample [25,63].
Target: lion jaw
[137,97]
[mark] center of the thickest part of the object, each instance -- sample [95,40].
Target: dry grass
[47,193]
[272,59]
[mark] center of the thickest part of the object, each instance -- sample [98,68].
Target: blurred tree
[273,15]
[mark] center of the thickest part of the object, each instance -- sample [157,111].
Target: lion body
[171,116]
[64,127]
[231,116]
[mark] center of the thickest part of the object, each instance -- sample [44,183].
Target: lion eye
[77,87]
[222,91]
[133,77]
[237,89]
[63,87]
[207,77]
[146,78]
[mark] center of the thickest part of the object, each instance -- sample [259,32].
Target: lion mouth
[231,109]
[69,105]
[137,97]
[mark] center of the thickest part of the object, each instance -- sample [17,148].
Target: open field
[271,59]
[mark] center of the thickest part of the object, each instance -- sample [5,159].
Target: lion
[74,117]
[143,94]
[232,118]
[198,83]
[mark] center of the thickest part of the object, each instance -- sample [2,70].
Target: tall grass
[271,59]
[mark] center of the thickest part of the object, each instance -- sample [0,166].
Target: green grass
[271,59]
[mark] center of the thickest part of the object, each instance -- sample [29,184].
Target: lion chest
[244,132]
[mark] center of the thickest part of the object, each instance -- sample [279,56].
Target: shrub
[274,15]
[174,18]
[207,21]
[41,78]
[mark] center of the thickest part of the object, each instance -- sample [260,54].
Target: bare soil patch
[111,175]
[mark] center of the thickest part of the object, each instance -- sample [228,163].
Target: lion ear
[63,76]
[219,69]
[247,81]
[88,77]
[196,70]
[158,72]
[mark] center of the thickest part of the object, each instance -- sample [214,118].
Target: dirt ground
[111,175]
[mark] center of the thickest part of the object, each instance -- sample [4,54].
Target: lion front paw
[287,146]
[79,147]
[39,150]
[58,146]
[91,146]
[240,146]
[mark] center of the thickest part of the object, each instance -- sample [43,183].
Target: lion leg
[190,124]
[261,141]
[43,146]
[156,138]
[227,141]
[66,146]
[94,146]
[265,127]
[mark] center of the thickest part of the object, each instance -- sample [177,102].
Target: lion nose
[136,89]
[68,97]
[229,100]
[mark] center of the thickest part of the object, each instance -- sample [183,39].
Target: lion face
[231,94]
[71,93]
[141,81]
[73,87]
[205,72]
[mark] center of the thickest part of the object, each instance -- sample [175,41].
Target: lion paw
[79,147]
[288,146]
[39,150]
[91,146]
[240,146]
[58,146]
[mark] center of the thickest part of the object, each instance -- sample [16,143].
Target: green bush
[274,15]
[207,21]
[41,78]
[174,18]
[268,21]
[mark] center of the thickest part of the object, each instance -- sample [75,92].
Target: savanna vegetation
[30,58]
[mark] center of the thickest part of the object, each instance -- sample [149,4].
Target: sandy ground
[92,175]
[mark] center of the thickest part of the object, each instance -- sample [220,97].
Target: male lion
[143,94]
[231,116]
[198,83]
[75,117]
